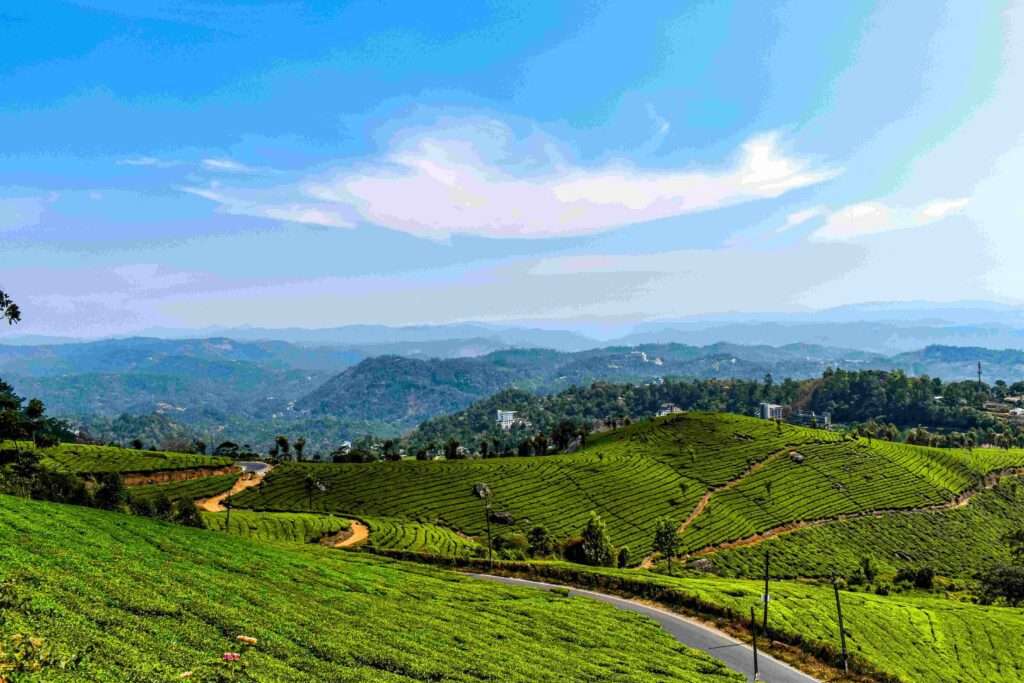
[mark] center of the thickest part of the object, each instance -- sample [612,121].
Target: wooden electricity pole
[842,630]
[753,633]
[764,624]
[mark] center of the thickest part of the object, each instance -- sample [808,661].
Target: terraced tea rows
[629,491]
[122,598]
[956,543]
[829,480]
[913,637]
[190,489]
[396,534]
[89,459]
[296,527]
[711,449]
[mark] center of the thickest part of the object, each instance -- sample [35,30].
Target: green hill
[730,476]
[89,459]
[910,637]
[87,595]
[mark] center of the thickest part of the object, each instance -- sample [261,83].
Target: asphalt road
[736,655]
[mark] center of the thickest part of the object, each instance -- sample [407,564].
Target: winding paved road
[736,655]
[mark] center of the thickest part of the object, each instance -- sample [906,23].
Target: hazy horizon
[172,167]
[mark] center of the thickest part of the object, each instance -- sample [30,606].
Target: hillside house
[507,419]
[669,409]
[771,411]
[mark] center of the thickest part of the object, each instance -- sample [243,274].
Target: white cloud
[227,166]
[873,218]
[941,208]
[800,217]
[147,161]
[475,177]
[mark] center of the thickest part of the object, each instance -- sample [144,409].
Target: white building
[506,419]
[771,411]
[669,409]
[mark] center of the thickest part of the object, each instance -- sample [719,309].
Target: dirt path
[956,503]
[246,481]
[648,562]
[357,533]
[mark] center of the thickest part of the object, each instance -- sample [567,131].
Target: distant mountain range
[883,328]
[249,391]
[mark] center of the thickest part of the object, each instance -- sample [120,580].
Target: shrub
[187,514]
[541,544]
[596,546]
[1006,583]
[623,560]
[924,578]
[110,492]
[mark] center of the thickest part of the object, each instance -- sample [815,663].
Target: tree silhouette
[9,310]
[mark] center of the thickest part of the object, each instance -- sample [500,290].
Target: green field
[113,597]
[89,459]
[631,478]
[190,489]
[841,478]
[397,534]
[915,637]
[294,527]
[955,543]
[656,468]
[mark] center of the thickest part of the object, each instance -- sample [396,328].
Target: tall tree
[597,547]
[666,539]
[8,309]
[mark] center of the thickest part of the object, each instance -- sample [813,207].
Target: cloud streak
[477,178]
[874,218]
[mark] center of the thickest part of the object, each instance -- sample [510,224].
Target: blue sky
[186,164]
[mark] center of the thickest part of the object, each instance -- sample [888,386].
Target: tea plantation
[955,543]
[758,475]
[88,595]
[89,459]
[190,489]
[295,527]
[397,534]
[915,637]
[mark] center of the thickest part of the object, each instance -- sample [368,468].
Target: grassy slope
[87,459]
[397,534]
[125,598]
[917,637]
[295,527]
[954,543]
[633,476]
[190,489]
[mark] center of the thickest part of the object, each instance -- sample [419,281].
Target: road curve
[736,655]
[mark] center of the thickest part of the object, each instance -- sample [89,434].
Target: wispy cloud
[227,166]
[873,218]
[148,161]
[800,217]
[477,178]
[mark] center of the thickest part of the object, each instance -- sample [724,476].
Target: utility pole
[484,491]
[767,555]
[753,633]
[842,631]
[979,373]
[227,522]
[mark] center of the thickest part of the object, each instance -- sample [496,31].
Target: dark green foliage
[110,493]
[187,514]
[1003,583]
[666,539]
[540,541]
[623,557]
[595,545]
